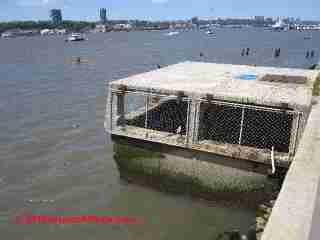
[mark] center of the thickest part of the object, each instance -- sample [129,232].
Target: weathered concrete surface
[198,173]
[291,217]
[197,79]
[315,230]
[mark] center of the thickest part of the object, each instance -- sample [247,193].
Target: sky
[158,9]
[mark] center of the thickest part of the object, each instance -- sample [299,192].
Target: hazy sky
[158,9]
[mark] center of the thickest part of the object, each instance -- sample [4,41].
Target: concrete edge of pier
[294,214]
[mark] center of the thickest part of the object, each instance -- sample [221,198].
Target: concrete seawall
[294,215]
[196,173]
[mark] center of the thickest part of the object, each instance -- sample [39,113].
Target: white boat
[210,32]
[279,26]
[172,33]
[7,35]
[76,37]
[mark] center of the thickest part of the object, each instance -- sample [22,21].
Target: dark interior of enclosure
[264,129]
[166,117]
[261,129]
[219,123]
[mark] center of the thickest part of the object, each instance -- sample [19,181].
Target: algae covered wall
[195,173]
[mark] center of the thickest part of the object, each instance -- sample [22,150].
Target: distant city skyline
[157,9]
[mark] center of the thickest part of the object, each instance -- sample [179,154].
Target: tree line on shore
[73,25]
[38,25]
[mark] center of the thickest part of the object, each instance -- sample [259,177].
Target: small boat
[7,35]
[75,37]
[210,32]
[172,33]
[279,26]
[79,60]
[307,37]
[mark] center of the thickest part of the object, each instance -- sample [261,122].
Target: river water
[42,157]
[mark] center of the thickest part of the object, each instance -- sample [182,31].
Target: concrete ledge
[292,215]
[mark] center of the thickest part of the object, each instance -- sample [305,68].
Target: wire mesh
[219,123]
[127,113]
[170,119]
[111,110]
[167,118]
[267,129]
[258,127]
[168,115]
[150,116]
[135,109]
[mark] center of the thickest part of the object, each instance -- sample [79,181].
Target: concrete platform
[272,86]
[236,111]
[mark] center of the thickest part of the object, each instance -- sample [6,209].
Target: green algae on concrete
[316,87]
[177,174]
[131,158]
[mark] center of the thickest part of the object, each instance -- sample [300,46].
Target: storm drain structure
[237,111]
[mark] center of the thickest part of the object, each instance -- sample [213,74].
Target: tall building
[103,15]
[195,20]
[56,16]
[259,18]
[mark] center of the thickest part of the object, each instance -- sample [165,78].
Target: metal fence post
[146,109]
[241,126]
[188,122]
[295,133]
[121,105]
[193,121]
[111,110]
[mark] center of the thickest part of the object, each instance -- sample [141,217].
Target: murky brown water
[42,157]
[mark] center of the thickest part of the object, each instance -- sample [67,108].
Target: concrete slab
[228,82]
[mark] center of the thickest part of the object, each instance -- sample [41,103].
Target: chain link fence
[247,125]
[170,120]
[149,116]
[128,113]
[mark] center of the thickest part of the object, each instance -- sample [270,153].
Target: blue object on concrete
[248,77]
